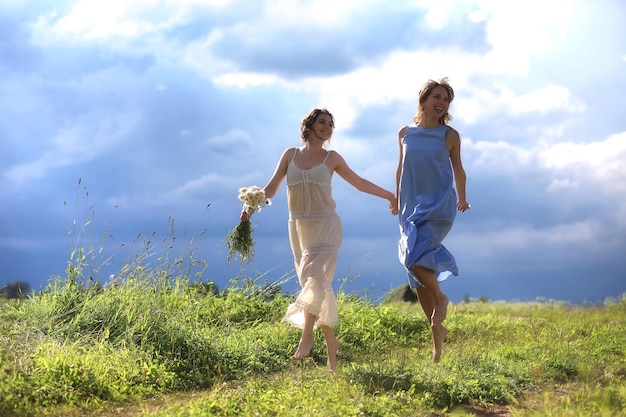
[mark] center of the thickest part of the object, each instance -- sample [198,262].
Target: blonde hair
[425,92]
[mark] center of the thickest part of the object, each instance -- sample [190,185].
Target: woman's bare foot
[439,334]
[304,347]
[332,355]
[441,312]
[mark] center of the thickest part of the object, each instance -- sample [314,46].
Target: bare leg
[306,341]
[427,301]
[439,333]
[332,346]
[435,306]
[429,280]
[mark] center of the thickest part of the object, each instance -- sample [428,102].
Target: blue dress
[427,202]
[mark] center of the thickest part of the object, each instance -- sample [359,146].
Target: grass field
[151,346]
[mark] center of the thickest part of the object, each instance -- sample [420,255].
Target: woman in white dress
[315,230]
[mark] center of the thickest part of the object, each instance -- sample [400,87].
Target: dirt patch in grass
[493,411]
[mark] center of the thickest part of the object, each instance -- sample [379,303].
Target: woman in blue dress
[430,185]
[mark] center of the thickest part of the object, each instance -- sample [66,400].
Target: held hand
[463,206]
[393,207]
[245,215]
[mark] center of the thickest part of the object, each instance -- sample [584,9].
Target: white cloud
[198,56]
[230,140]
[513,40]
[558,185]
[244,80]
[549,98]
[480,102]
[397,77]
[145,54]
[400,74]
[500,158]
[196,184]
[98,20]
[568,165]
[291,13]
[599,162]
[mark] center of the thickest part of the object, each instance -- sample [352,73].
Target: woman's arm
[339,165]
[453,141]
[401,134]
[279,175]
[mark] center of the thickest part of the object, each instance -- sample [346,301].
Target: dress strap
[327,155]
[295,151]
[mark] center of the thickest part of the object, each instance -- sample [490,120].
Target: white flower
[253,198]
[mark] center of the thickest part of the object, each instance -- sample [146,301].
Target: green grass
[153,346]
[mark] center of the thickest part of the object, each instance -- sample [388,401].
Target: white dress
[315,234]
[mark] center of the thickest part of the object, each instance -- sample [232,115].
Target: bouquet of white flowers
[239,240]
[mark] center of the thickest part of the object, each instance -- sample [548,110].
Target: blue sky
[163,109]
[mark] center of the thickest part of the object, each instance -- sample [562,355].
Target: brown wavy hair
[309,119]
[426,90]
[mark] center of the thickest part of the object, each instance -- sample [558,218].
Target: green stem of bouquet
[240,242]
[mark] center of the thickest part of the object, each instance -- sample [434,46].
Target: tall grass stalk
[77,349]
[156,342]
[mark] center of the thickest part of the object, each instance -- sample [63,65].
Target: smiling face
[322,127]
[319,123]
[437,103]
[434,101]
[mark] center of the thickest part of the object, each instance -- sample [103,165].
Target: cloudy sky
[128,127]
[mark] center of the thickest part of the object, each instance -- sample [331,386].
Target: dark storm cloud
[164,112]
[306,50]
